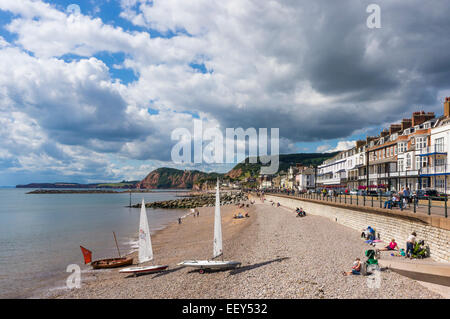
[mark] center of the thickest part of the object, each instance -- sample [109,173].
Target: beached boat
[106,263]
[145,248]
[112,263]
[217,245]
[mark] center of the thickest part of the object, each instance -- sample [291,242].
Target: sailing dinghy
[106,263]
[217,246]
[145,248]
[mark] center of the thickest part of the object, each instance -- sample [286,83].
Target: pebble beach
[282,256]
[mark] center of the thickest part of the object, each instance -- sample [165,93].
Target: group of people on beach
[369,234]
[410,245]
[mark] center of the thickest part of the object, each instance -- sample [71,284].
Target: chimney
[406,123]
[447,107]
[394,128]
[384,133]
[421,117]
[360,143]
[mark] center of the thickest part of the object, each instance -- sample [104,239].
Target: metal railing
[426,205]
[438,169]
[438,148]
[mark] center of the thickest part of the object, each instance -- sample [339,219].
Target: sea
[41,234]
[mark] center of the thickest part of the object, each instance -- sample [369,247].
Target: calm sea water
[40,234]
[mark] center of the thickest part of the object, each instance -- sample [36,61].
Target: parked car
[353,192]
[372,193]
[430,193]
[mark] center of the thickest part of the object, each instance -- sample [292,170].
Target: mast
[217,247]
[115,239]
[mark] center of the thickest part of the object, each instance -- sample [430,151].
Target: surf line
[199,309]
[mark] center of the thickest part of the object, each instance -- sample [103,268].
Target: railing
[426,205]
[438,148]
[439,169]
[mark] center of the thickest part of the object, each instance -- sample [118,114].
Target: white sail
[217,249]
[145,243]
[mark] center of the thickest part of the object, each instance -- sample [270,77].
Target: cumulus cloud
[341,146]
[312,69]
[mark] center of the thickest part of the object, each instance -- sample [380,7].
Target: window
[400,165]
[440,162]
[401,148]
[421,142]
[439,145]
[408,161]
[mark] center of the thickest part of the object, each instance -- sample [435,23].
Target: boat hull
[210,264]
[143,270]
[111,263]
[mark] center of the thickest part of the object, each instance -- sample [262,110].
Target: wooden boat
[145,249]
[112,263]
[203,265]
[106,263]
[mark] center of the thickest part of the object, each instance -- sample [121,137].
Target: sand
[282,256]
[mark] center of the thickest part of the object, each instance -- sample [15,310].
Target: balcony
[438,149]
[435,170]
[408,173]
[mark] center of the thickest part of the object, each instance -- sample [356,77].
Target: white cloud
[341,146]
[294,65]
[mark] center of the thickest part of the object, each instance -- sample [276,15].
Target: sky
[94,94]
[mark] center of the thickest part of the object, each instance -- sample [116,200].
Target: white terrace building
[435,155]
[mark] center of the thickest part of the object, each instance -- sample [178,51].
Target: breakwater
[202,200]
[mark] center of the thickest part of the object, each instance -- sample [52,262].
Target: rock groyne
[204,200]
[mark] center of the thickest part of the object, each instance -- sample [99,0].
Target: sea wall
[389,224]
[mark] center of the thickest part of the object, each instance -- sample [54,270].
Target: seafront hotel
[413,154]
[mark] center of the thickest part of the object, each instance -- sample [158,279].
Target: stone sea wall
[434,230]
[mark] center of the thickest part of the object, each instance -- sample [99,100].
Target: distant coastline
[123,184]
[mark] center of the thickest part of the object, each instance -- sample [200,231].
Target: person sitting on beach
[365,233]
[392,246]
[356,268]
[301,212]
[369,233]
[410,244]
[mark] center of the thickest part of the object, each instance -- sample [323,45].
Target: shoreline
[282,257]
[57,285]
[99,191]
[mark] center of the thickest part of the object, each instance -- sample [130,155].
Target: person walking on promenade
[410,242]
[415,199]
[406,196]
